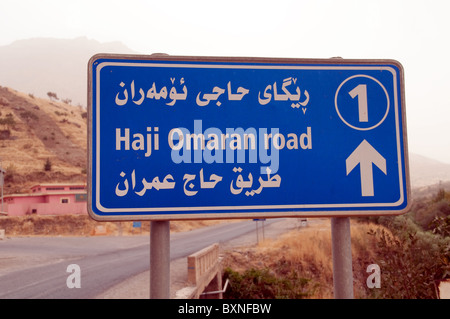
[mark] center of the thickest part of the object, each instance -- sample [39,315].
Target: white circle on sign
[354,126]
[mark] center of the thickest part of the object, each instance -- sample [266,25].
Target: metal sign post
[160,260]
[342,258]
[2,181]
[257,232]
[183,138]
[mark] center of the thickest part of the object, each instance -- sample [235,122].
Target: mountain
[41,140]
[41,65]
[425,171]
[428,176]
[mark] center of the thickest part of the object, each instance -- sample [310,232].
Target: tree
[8,121]
[52,95]
[48,165]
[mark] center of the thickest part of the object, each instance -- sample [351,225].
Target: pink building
[48,199]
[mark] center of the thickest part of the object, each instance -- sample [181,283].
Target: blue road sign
[137,224]
[193,138]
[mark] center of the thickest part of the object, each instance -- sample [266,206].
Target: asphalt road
[36,267]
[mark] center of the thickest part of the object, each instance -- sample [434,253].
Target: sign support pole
[2,181]
[160,259]
[342,258]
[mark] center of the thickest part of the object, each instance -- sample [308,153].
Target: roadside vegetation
[83,225]
[411,250]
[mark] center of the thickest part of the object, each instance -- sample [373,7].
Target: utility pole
[2,180]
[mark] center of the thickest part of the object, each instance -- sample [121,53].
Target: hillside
[34,131]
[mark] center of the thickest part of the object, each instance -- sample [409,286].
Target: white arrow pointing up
[365,155]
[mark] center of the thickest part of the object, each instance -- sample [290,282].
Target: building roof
[55,192]
[58,185]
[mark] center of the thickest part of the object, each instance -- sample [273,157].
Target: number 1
[361,92]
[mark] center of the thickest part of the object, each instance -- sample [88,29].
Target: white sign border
[183,213]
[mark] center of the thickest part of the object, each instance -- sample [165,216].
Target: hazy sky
[416,33]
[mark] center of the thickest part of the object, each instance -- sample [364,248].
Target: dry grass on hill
[308,252]
[39,130]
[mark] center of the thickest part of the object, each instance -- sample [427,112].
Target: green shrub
[264,284]
[412,261]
